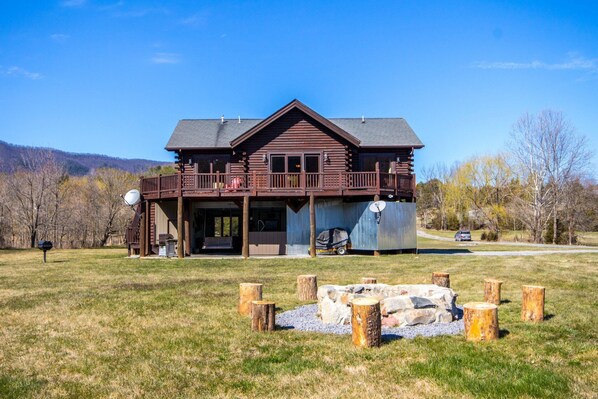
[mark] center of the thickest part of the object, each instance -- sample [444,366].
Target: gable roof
[213,133]
[290,106]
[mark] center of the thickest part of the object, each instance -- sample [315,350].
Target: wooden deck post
[180,229]
[312,225]
[245,249]
[377,198]
[142,230]
[187,228]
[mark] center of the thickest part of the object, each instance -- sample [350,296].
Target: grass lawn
[91,323]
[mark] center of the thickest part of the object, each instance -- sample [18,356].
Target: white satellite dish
[132,198]
[377,206]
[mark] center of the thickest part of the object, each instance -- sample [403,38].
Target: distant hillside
[76,164]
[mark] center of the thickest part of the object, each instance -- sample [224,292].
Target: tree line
[40,200]
[541,183]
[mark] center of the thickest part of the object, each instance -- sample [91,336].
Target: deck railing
[206,184]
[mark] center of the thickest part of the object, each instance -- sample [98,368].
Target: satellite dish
[132,198]
[377,206]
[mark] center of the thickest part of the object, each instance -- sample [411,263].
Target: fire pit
[401,305]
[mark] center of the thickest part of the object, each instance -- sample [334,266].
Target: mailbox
[44,246]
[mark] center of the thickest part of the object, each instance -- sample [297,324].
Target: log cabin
[269,186]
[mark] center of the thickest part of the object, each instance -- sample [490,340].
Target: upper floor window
[368,162]
[210,163]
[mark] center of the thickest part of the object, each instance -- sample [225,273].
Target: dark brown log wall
[295,132]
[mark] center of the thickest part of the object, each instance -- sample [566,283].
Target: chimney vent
[362,119]
[239,118]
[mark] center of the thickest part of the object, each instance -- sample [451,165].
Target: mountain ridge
[76,164]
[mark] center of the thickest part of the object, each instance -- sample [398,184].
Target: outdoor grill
[167,244]
[45,246]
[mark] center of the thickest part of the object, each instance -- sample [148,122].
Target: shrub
[489,236]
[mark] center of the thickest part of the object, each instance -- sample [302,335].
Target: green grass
[91,323]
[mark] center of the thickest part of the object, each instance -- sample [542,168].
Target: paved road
[556,249]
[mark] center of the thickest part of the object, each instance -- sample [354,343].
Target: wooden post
[312,225]
[532,308]
[263,315]
[377,198]
[142,235]
[366,322]
[441,279]
[248,292]
[245,227]
[180,229]
[481,321]
[187,229]
[492,291]
[369,280]
[307,287]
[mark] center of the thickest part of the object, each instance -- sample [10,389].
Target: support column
[245,250]
[180,250]
[377,198]
[187,215]
[312,225]
[142,230]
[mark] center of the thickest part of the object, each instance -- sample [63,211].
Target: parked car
[463,235]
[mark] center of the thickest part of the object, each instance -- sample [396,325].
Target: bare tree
[108,186]
[438,177]
[565,155]
[30,188]
[581,204]
[547,155]
[532,205]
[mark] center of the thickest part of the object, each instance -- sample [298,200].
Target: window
[226,226]
[210,163]
[368,162]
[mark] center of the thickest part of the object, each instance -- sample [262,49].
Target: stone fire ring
[304,318]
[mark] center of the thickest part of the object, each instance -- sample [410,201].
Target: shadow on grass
[549,316]
[503,333]
[443,251]
[503,301]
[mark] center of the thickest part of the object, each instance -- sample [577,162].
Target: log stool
[248,292]
[532,307]
[366,322]
[307,287]
[263,314]
[369,280]
[492,291]
[481,321]
[441,279]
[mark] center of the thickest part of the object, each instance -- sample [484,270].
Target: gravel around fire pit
[304,318]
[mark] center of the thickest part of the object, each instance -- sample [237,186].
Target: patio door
[285,170]
[312,170]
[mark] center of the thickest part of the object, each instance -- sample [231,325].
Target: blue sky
[114,77]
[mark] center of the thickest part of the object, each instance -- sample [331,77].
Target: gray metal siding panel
[397,228]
